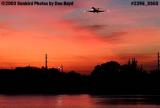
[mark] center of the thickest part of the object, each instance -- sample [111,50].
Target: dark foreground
[109,78]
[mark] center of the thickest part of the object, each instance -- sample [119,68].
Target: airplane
[95,10]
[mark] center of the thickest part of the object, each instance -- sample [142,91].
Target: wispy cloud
[70,35]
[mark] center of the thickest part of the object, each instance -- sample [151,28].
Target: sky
[77,39]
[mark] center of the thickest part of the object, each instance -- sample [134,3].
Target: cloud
[114,37]
[69,35]
[92,28]
[95,27]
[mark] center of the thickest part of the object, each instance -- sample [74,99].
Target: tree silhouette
[106,78]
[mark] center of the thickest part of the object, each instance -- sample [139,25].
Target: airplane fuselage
[95,10]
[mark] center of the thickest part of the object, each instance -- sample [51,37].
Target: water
[76,101]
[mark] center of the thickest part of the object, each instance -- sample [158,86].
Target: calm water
[76,101]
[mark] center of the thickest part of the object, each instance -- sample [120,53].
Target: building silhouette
[60,68]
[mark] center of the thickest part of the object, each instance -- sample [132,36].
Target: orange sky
[77,39]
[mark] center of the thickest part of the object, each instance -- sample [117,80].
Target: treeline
[107,78]
[32,80]
[113,78]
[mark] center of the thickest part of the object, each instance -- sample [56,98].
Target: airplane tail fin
[93,7]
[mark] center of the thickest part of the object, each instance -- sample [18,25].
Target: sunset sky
[77,39]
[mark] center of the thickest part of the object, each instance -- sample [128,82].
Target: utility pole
[46,61]
[158,63]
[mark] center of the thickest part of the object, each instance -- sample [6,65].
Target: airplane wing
[90,11]
[101,11]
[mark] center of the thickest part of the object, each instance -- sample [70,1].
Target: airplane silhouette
[95,10]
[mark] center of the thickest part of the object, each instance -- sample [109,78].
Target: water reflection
[129,100]
[78,101]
